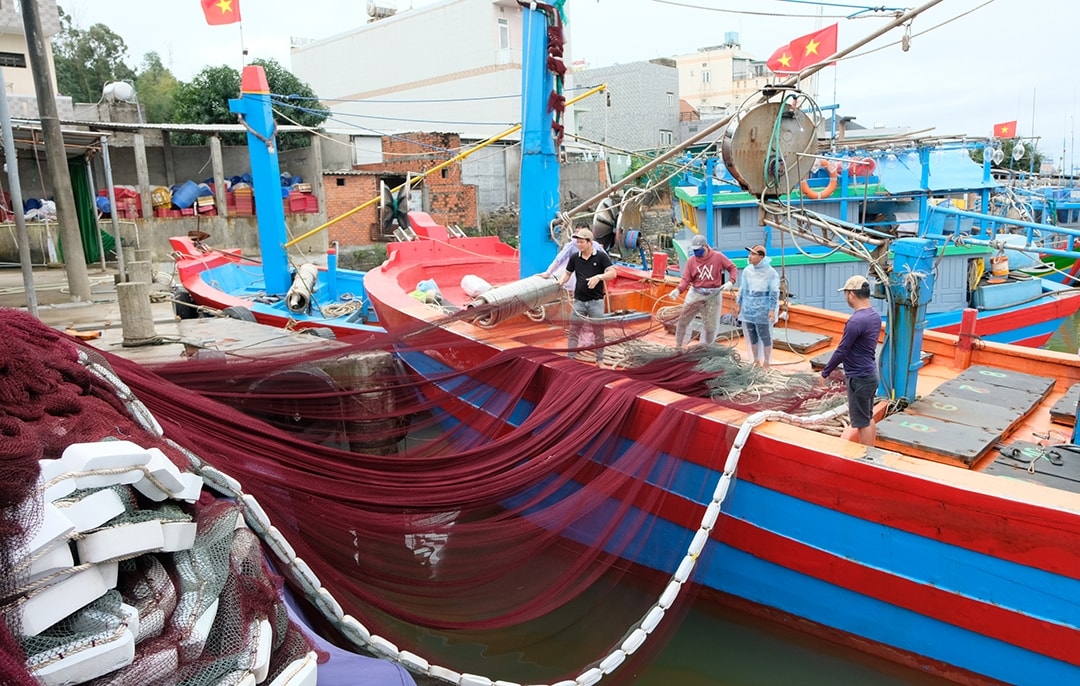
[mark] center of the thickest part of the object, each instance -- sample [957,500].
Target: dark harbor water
[701,643]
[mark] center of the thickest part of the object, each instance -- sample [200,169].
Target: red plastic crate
[297,202]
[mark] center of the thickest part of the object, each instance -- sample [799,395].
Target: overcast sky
[999,60]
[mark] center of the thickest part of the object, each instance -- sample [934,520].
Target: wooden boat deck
[961,417]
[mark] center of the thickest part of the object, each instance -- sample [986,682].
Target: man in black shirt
[592,268]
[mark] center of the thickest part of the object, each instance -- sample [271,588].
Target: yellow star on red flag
[804,51]
[221,11]
[1006,129]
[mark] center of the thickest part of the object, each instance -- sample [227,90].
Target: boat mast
[253,106]
[539,161]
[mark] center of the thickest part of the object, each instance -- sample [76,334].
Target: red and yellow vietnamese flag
[814,47]
[221,11]
[782,61]
[804,51]
[1006,129]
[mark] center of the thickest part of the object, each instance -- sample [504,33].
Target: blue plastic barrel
[184,195]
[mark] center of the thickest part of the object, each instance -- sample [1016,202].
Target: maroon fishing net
[49,400]
[458,501]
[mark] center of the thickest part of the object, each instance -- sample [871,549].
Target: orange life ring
[824,192]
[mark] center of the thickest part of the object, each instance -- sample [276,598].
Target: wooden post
[966,344]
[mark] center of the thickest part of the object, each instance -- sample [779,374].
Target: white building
[15,60]
[454,66]
[717,79]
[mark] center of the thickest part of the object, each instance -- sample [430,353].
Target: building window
[367,150]
[705,77]
[670,98]
[12,59]
[340,181]
[666,137]
[504,34]
[502,55]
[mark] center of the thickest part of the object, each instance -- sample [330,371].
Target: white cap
[855,283]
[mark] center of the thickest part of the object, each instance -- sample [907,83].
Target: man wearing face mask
[703,279]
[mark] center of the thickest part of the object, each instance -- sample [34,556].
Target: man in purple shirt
[858,353]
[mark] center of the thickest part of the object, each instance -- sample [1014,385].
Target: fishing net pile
[454,501]
[190,611]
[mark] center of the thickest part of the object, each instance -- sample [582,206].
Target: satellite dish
[118,91]
[1018,151]
[997,157]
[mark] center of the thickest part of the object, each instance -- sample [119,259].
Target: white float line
[354,630]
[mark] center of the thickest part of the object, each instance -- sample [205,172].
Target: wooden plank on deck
[1064,410]
[785,338]
[964,418]
[935,439]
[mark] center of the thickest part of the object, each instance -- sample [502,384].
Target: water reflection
[1065,339]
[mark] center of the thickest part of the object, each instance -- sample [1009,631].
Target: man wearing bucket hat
[703,280]
[858,353]
[592,268]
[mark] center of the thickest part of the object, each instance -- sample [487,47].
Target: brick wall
[446,198]
[343,192]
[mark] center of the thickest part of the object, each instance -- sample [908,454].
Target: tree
[156,88]
[205,100]
[88,59]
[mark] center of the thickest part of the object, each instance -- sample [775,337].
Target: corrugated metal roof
[30,137]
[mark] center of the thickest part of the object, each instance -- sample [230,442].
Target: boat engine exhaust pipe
[514,298]
[305,281]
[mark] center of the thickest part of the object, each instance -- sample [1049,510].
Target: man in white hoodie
[758,304]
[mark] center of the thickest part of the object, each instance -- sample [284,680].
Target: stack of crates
[244,201]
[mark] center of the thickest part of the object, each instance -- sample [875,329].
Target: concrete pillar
[220,198]
[316,172]
[136,317]
[140,272]
[142,174]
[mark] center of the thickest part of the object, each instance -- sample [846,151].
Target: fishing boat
[946,546]
[272,289]
[320,298]
[928,188]
[1054,207]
